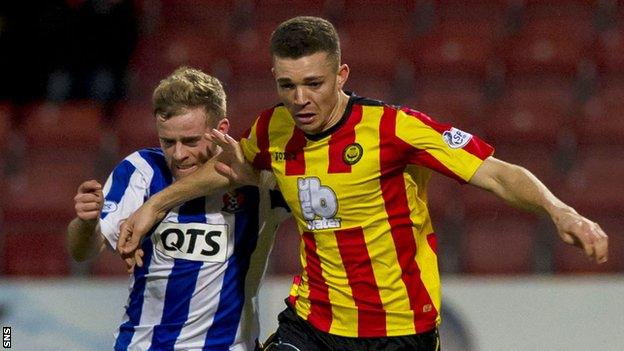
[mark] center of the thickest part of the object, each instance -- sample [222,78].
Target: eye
[315,84]
[287,85]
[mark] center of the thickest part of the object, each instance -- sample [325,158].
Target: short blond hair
[188,88]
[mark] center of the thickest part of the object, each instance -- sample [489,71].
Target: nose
[179,153]
[300,98]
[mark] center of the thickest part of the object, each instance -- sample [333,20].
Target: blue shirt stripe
[159,181]
[162,175]
[222,332]
[180,285]
[120,180]
[135,305]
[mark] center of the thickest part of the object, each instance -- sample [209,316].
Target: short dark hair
[305,35]
[188,88]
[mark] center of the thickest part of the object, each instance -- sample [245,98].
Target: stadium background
[543,81]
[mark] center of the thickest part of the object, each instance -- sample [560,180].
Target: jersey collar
[341,122]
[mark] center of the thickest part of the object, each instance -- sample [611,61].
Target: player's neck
[338,110]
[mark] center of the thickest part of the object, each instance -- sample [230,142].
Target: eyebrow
[306,80]
[185,139]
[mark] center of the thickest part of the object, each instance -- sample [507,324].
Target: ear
[273,71]
[343,75]
[223,125]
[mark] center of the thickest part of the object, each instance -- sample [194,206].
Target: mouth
[185,168]
[305,118]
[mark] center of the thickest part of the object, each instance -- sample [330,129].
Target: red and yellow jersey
[358,193]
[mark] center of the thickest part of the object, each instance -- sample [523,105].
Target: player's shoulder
[355,99]
[148,161]
[150,155]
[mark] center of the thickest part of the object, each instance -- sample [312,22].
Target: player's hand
[133,229]
[88,200]
[577,230]
[231,161]
[133,259]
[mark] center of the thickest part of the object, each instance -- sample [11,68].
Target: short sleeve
[255,144]
[125,191]
[440,147]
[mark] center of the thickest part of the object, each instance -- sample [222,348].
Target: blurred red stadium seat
[372,48]
[370,87]
[6,124]
[35,253]
[595,183]
[608,50]
[276,11]
[246,100]
[601,120]
[456,46]
[44,189]
[570,259]
[158,55]
[442,197]
[553,38]
[213,14]
[135,126]
[68,125]
[39,205]
[530,111]
[454,100]
[501,245]
[249,52]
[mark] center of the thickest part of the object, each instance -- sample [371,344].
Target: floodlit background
[543,81]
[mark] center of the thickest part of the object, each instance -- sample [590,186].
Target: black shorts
[296,334]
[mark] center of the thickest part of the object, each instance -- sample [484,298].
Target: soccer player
[204,261]
[354,171]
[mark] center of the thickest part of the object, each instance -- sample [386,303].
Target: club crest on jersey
[109,206]
[352,153]
[233,201]
[455,138]
[319,204]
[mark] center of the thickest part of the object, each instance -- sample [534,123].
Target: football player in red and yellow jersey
[354,172]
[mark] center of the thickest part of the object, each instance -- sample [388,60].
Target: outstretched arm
[522,189]
[224,170]
[84,237]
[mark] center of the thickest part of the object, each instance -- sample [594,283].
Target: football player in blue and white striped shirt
[202,264]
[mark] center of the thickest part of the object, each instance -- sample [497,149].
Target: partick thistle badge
[352,153]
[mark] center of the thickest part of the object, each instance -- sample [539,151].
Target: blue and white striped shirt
[203,263]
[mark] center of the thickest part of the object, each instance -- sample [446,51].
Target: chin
[308,128]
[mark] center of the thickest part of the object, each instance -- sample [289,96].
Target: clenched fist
[88,200]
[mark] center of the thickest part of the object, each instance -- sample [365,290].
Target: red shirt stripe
[397,208]
[320,311]
[295,158]
[357,263]
[432,239]
[263,158]
[475,146]
[423,158]
[342,138]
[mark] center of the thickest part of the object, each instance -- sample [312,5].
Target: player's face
[183,143]
[310,88]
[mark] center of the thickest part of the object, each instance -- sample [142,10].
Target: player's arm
[84,237]
[522,189]
[224,170]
